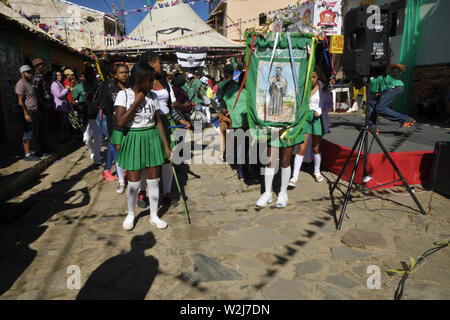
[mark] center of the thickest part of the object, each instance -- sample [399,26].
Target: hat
[67,72]
[25,68]
[204,80]
[37,61]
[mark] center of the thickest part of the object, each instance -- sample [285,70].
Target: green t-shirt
[228,94]
[81,90]
[380,84]
[196,84]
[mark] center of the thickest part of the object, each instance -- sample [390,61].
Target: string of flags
[58,27]
[163,43]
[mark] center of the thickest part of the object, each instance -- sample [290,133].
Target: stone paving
[232,249]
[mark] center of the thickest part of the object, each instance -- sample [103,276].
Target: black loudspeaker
[366,48]
[441,168]
[262,19]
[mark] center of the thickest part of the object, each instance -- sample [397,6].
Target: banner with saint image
[279,81]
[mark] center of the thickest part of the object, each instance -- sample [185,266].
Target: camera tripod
[360,143]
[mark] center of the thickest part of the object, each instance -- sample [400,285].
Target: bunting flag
[149,11]
[191,59]
[278,83]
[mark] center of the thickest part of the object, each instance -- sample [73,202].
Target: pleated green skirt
[288,143]
[141,148]
[116,137]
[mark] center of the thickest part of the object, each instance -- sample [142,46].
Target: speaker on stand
[367,54]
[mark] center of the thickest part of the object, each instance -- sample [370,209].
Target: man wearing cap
[26,99]
[45,103]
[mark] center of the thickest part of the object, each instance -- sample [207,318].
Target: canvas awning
[172,27]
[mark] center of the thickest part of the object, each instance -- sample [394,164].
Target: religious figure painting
[275,93]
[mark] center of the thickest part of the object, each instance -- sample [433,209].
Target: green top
[81,90]
[196,84]
[228,95]
[380,84]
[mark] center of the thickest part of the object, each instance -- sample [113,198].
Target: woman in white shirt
[142,145]
[317,124]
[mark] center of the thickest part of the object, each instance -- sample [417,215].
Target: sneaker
[158,223]
[120,188]
[282,200]
[292,183]
[408,124]
[264,200]
[241,177]
[142,200]
[128,223]
[108,175]
[31,157]
[169,200]
[97,163]
[318,177]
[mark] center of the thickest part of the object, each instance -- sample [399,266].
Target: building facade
[238,12]
[78,26]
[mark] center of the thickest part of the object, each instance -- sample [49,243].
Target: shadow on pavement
[128,275]
[21,224]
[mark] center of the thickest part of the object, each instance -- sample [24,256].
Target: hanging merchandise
[278,83]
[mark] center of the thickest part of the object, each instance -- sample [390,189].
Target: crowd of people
[134,113]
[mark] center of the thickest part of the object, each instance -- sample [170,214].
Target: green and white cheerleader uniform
[141,145]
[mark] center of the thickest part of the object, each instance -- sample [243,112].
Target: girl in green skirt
[170,116]
[144,143]
[316,125]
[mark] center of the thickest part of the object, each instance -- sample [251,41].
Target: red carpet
[415,166]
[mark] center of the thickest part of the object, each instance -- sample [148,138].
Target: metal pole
[240,30]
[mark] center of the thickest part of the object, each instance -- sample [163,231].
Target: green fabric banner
[273,100]
[408,53]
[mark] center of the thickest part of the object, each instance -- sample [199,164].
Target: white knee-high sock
[153,196]
[268,178]
[297,166]
[285,175]
[317,159]
[167,176]
[132,194]
[143,186]
[120,175]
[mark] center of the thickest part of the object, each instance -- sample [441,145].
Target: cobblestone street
[231,250]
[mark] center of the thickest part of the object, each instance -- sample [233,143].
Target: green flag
[274,98]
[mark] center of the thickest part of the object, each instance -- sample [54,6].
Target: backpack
[93,102]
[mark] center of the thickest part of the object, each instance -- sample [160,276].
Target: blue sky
[133,19]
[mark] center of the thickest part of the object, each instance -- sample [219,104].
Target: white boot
[282,200]
[128,223]
[266,197]
[153,195]
[264,200]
